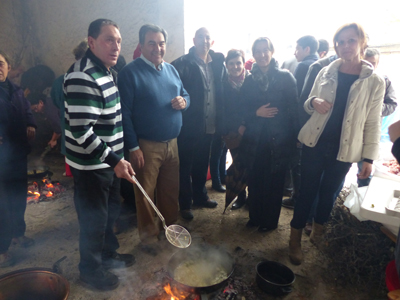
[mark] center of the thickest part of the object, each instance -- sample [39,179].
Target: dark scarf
[262,78]
[237,81]
[5,86]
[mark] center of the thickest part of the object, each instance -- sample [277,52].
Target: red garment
[249,64]
[137,52]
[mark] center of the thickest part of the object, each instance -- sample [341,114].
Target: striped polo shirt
[93,120]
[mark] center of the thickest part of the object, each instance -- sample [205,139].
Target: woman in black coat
[17,127]
[269,104]
[234,62]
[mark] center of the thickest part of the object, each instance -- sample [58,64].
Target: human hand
[124,170]
[178,103]
[365,170]
[321,106]
[394,131]
[30,132]
[241,130]
[136,158]
[52,143]
[266,112]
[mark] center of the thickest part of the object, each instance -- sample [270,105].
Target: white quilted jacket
[362,118]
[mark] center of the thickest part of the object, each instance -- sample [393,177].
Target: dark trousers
[194,156]
[235,152]
[265,191]
[13,192]
[218,160]
[97,203]
[321,173]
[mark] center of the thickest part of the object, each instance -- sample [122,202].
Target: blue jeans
[315,203]
[218,160]
[321,173]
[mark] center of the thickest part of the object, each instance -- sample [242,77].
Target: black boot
[240,201]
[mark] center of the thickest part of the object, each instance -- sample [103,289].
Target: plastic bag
[354,201]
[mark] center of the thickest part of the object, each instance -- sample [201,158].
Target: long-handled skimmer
[176,234]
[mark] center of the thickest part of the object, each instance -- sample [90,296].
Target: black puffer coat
[278,134]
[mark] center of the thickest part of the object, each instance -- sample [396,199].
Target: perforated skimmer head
[176,234]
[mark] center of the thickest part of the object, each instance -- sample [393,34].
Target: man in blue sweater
[153,97]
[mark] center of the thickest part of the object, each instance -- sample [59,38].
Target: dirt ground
[54,227]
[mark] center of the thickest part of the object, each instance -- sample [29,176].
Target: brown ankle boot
[295,253]
[317,233]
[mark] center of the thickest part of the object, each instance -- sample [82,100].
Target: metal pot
[34,284]
[274,278]
[38,172]
[209,253]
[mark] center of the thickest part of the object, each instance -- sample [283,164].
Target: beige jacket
[362,118]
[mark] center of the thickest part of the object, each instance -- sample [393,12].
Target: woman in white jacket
[345,104]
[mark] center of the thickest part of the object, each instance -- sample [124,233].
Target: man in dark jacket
[202,72]
[306,54]
[17,127]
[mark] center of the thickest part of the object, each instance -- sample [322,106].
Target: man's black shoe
[208,203]
[240,201]
[187,214]
[219,188]
[118,261]
[100,279]
[289,203]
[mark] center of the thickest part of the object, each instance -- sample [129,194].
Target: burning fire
[38,191]
[174,293]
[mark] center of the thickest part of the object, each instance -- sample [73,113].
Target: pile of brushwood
[358,252]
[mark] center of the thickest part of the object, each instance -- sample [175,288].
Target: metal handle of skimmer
[150,201]
[176,234]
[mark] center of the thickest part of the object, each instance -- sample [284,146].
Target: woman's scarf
[260,77]
[237,81]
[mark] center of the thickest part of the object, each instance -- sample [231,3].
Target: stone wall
[46,31]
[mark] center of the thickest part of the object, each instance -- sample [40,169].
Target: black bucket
[274,278]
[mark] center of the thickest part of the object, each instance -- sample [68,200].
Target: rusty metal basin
[33,284]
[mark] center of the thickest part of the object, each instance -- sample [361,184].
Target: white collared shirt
[158,68]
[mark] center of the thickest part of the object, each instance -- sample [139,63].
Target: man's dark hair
[323,46]
[80,50]
[233,53]
[308,41]
[35,97]
[96,25]
[370,52]
[150,27]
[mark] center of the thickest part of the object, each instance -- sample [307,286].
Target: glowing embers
[43,190]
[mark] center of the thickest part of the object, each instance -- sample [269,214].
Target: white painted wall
[55,26]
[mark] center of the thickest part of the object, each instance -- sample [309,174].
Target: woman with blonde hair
[345,105]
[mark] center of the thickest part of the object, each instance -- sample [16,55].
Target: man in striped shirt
[94,150]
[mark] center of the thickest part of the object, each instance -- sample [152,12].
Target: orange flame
[168,290]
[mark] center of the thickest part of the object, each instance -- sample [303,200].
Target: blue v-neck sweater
[146,96]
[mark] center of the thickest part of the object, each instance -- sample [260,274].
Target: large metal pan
[38,172]
[34,284]
[216,256]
